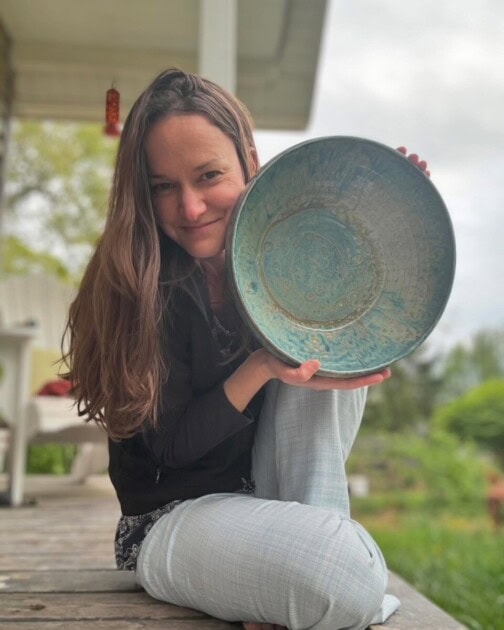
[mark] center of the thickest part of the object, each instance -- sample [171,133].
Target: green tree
[19,258]
[57,183]
[466,366]
[477,415]
[422,381]
[409,397]
[411,470]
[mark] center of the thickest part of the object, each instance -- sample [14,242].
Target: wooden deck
[57,571]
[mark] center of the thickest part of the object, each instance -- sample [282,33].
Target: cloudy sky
[428,75]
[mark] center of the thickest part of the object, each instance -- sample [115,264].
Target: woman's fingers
[305,376]
[422,164]
[413,157]
[322,382]
[294,375]
[305,371]
[249,625]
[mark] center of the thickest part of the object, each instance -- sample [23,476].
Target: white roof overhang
[66,54]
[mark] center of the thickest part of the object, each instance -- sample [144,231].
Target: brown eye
[210,175]
[161,187]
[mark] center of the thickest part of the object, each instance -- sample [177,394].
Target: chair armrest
[51,413]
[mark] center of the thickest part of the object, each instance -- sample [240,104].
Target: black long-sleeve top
[201,444]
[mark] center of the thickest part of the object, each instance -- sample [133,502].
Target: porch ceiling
[66,53]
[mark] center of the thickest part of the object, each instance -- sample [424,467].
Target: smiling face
[195,179]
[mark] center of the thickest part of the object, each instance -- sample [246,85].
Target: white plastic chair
[33,310]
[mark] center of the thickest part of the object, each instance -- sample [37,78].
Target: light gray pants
[291,555]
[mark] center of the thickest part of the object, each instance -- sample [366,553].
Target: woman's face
[195,179]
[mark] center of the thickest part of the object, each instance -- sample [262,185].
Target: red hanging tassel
[112,127]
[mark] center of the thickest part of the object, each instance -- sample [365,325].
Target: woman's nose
[192,204]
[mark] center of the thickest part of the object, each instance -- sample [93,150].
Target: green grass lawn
[457,561]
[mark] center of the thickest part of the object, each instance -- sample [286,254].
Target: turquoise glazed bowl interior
[341,250]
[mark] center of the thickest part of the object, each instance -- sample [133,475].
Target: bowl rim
[240,303]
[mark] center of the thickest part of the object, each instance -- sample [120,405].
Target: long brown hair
[114,359]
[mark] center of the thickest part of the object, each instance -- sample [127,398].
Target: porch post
[217,42]
[6,96]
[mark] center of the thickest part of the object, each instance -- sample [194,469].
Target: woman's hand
[305,376]
[249,625]
[261,366]
[413,157]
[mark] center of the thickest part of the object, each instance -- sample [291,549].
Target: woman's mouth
[195,229]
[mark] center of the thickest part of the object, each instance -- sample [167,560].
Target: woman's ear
[254,162]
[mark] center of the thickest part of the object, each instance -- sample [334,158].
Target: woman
[243,519]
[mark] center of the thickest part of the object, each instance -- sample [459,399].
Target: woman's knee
[350,601]
[352,590]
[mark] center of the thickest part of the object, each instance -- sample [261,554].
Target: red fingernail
[413,158]
[402,150]
[422,165]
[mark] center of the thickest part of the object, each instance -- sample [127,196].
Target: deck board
[69,581]
[118,624]
[89,606]
[57,571]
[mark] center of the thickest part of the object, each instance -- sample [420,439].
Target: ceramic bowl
[342,250]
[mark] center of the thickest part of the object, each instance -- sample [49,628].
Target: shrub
[477,415]
[55,459]
[445,471]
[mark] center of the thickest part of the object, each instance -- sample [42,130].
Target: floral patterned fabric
[130,533]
